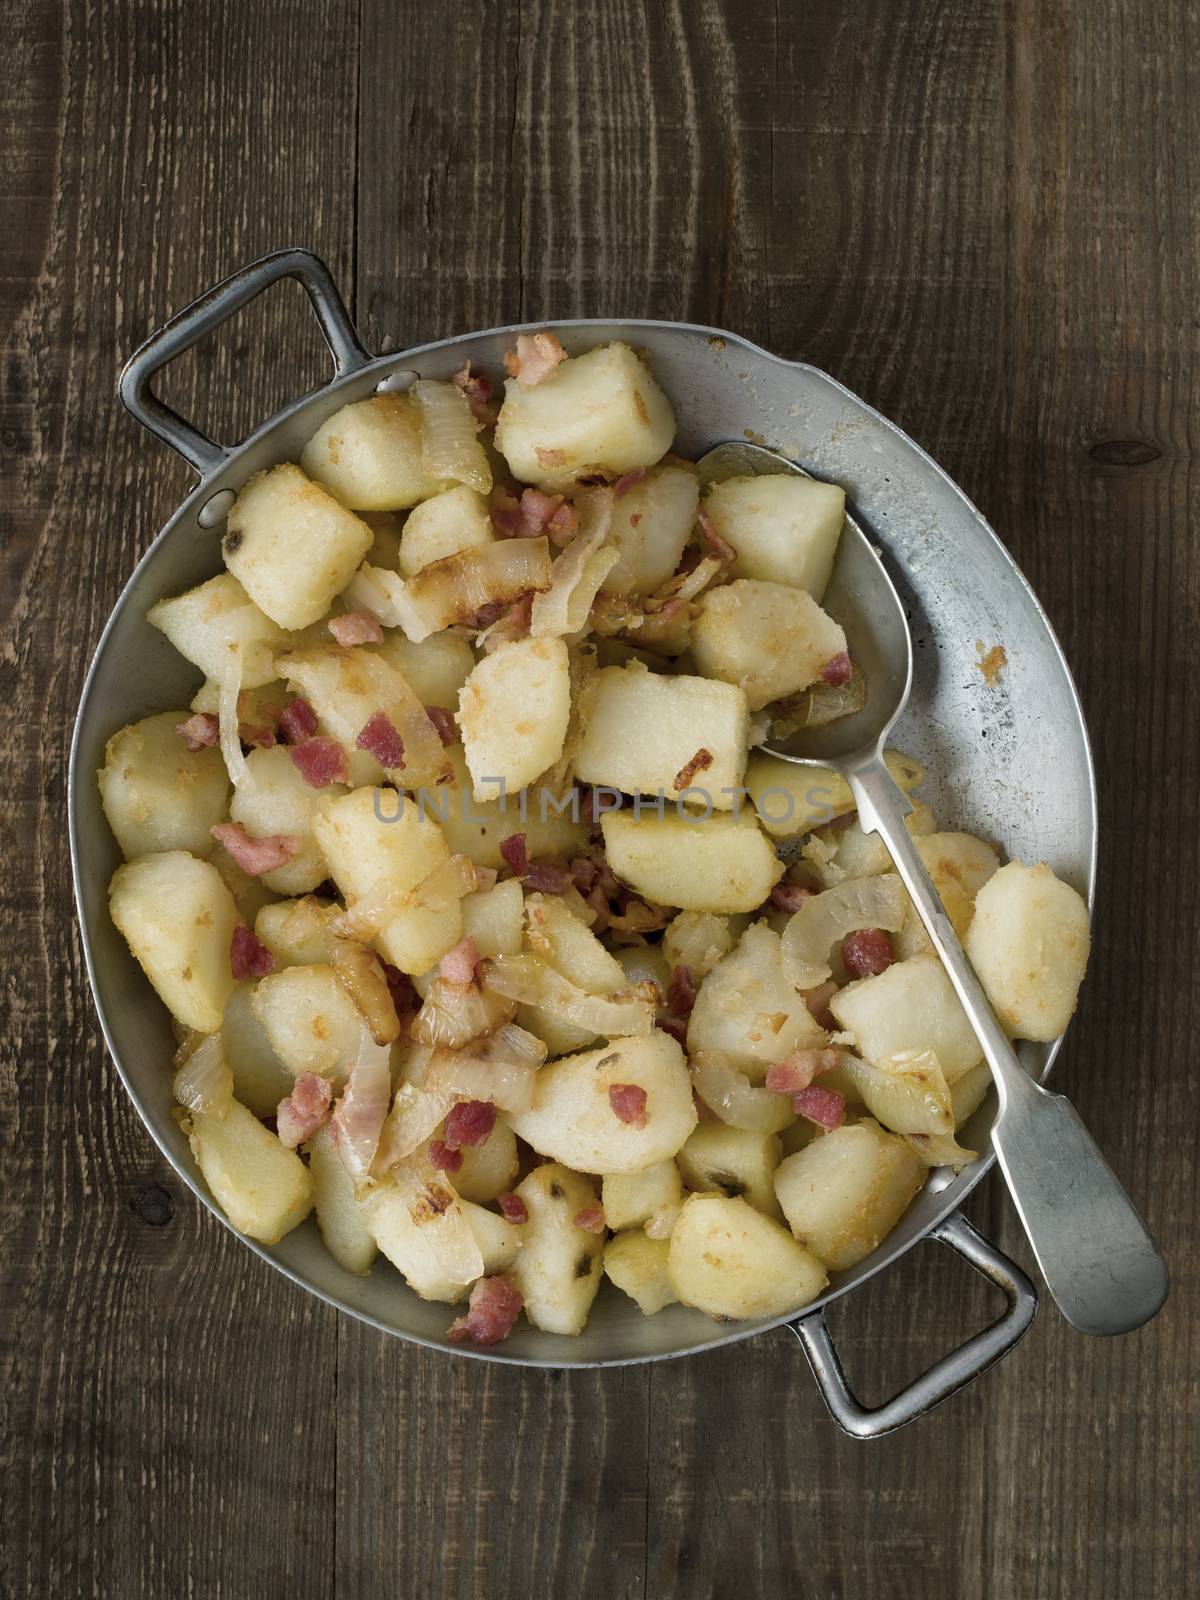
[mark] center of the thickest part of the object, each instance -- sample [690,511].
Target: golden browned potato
[910,1006]
[1029,943]
[769,639]
[844,1192]
[458,519]
[559,1268]
[369,455]
[178,919]
[651,524]
[722,863]
[733,1161]
[159,795]
[637,1265]
[513,712]
[729,1260]
[784,528]
[218,628]
[263,1188]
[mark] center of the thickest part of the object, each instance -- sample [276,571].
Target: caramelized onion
[530,982]
[204,1080]
[731,1096]
[362,977]
[454,589]
[227,718]
[359,1115]
[825,919]
[415,1114]
[436,1210]
[453,1014]
[449,449]
[372,912]
[576,576]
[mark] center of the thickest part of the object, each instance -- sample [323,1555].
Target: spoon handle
[1104,1270]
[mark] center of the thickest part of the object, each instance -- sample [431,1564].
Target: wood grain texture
[982,218]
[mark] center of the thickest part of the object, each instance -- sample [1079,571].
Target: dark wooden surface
[979,214]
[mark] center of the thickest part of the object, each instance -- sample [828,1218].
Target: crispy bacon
[700,762]
[513,1209]
[319,762]
[817,1000]
[199,731]
[788,896]
[825,1107]
[494,1306]
[534,359]
[458,965]
[797,1071]
[248,957]
[444,1157]
[478,390]
[297,721]
[515,852]
[837,670]
[628,1101]
[299,1116]
[590,1219]
[380,738]
[356,627]
[719,547]
[468,1123]
[256,856]
[628,481]
[447,728]
[867,952]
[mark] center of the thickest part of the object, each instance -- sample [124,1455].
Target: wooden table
[980,216]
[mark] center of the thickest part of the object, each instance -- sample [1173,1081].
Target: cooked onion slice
[907,1093]
[415,1114]
[453,1014]
[204,1080]
[501,1068]
[359,1115]
[941,1150]
[730,1095]
[531,982]
[823,703]
[685,585]
[554,610]
[436,1210]
[227,718]
[371,913]
[449,448]
[360,974]
[825,919]
[456,588]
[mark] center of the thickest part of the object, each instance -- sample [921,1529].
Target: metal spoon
[1100,1263]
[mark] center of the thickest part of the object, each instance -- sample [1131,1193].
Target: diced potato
[645,731]
[250,894]
[910,1006]
[292,546]
[260,1079]
[651,524]
[217,627]
[598,412]
[489,1169]
[727,1259]
[630,1199]
[178,920]
[346,689]
[558,1271]
[513,712]
[719,863]
[784,528]
[791,800]
[572,1120]
[697,940]
[638,1267]
[455,520]
[1029,944]
[499,1241]
[278,800]
[570,946]
[959,865]
[340,1216]
[311,1021]
[423,1228]
[157,794]
[297,932]
[369,455]
[477,828]
[747,1010]
[767,638]
[435,669]
[734,1161]
[495,918]
[263,1188]
[907,1093]
[847,1190]
[370,848]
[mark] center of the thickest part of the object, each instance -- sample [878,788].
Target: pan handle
[209,312]
[947,1376]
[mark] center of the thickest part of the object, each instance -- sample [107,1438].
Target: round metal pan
[1008,760]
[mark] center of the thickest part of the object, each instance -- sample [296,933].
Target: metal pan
[1009,761]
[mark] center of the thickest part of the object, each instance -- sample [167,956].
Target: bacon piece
[248,957]
[788,896]
[447,728]
[675,1026]
[356,627]
[514,851]
[817,1000]
[478,390]
[825,1107]
[535,358]
[262,737]
[256,856]
[867,952]
[628,481]
[458,965]
[797,1071]
[537,508]
[513,1208]
[199,731]
[319,762]
[562,524]
[700,762]
[380,738]
[469,1122]
[494,1306]
[297,721]
[444,1157]
[837,670]
[299,1116]
[590,1219]
[628,1101]
[596,898]
[681,992]
[510,623]
[542,878]
[505,512]
[719,547]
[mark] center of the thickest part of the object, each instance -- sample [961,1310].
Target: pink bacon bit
[797,1071]
[535,358]
[817,1000]
[676,1027]
[627,481]
[478,390]
[788,896]
[319,762]
[590,1219]
[297,721]
[837,671]
[537,509]
[443,1157]
[458,965]
[681,992]
[356,627]
[469,1123]
[719,547]
[515,853]
[494,1306]
[505,512]
[562,524]
[513,1209]
[248,956]
[262,737]
[380,738]
[867,953]
[256,856]
[542,878]
[199,731]
[628,1101]
[299,1116]
[447,728]
[825,1107]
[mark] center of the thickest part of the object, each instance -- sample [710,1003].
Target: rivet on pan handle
[208,313]
[953,1372]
